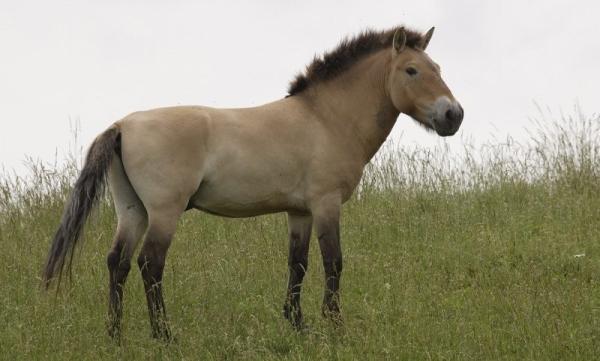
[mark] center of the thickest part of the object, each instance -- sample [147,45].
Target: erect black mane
[348,52]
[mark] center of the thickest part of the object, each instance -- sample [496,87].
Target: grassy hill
[491,253]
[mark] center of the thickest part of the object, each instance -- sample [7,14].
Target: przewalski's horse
[303,155]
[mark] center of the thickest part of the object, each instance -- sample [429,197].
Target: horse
[303,154]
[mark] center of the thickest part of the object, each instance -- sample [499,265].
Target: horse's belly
[243,200]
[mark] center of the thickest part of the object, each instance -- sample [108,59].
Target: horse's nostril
[450,115]
[454,115]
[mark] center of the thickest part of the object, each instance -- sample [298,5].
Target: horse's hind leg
[299,226]
[132,222]
[151,261]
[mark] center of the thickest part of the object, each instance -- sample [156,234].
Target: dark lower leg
[329,242]
[118,270]
[291,308]
[331,296]
[151,263]
[299,238]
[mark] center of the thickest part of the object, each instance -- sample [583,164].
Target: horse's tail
[86,193]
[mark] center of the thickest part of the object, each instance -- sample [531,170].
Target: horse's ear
[399,42]
[426,39]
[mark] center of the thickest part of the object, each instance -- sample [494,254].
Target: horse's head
[416,87]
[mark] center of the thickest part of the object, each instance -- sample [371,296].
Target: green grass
[488,254]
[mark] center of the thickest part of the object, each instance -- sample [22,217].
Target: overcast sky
[97,61]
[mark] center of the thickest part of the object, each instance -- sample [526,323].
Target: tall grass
[490,252]
[566,148]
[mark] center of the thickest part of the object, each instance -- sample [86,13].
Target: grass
[488,254]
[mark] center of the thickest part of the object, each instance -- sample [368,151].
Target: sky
[85,64]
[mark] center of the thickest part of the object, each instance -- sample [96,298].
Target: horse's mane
[348,52]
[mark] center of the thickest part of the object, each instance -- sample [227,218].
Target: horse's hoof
[294,316]
[163,335]
[114,332]
[333,314]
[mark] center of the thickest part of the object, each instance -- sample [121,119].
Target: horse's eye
[411,71]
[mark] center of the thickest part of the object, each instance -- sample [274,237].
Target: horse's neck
[357,103]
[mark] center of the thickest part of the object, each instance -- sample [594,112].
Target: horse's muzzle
[451,121]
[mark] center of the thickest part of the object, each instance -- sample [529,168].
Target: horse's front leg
[326,215]
[299,226]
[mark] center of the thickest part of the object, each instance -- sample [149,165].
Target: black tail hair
[86,193]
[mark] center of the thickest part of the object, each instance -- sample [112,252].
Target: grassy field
[488,254]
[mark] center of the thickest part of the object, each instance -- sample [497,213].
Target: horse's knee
[117,264]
